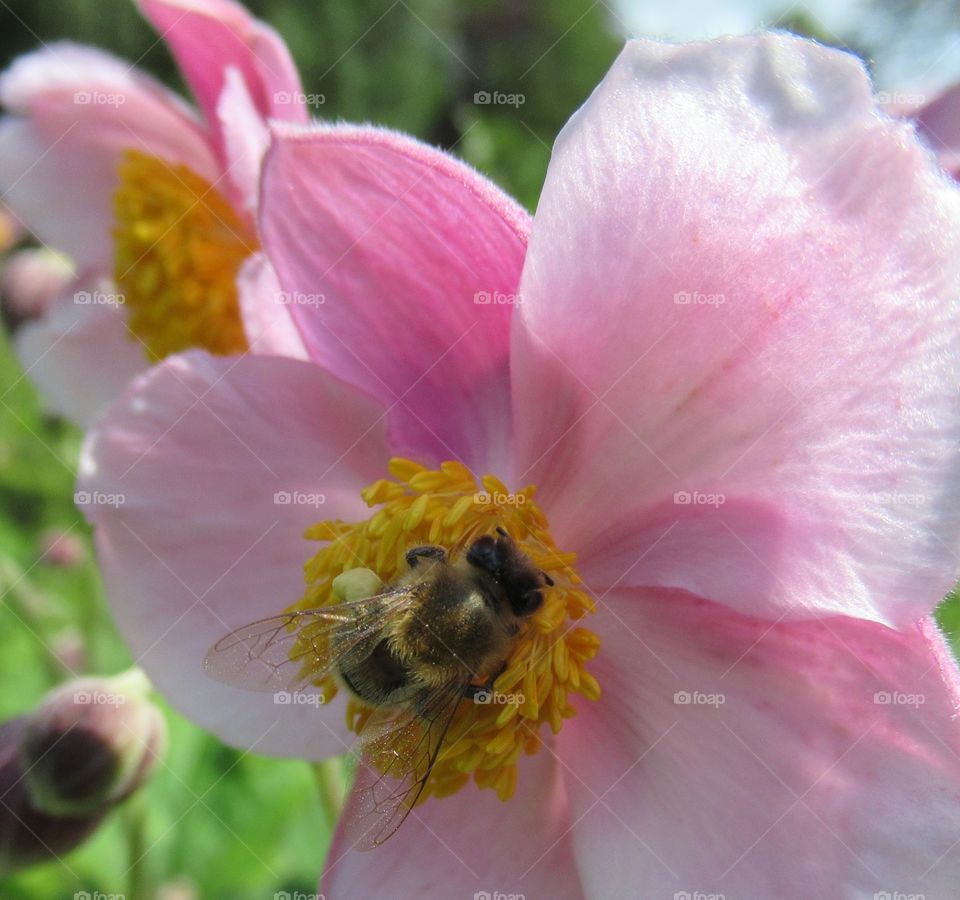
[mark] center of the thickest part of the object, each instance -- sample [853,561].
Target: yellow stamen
[446,507]
[179,246]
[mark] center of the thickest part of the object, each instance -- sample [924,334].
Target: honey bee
[440,634]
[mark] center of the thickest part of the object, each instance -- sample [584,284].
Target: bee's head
[501,559]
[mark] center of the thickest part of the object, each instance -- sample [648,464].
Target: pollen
[447,507]
[179,245]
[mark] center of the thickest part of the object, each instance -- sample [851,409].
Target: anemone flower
[153,200]
[717,402]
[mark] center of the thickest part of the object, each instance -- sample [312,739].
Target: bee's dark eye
[527,603]
[485,554]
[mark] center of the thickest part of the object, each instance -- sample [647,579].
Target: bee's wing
[399,749]
[290,651]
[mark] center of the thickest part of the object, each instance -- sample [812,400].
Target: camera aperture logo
[497,895]
[299,698]
[98,498]
[499,98]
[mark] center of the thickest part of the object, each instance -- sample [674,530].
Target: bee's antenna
[502,532]
[550,582]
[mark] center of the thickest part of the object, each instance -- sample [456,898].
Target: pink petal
[810,759]
[64,352]
[202,542]
[245,137]
[400,241]
[208,36]
[470,842]
[810,387]
[266,316]
[74,111]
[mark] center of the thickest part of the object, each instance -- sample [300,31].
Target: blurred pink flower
[153,201]
[730,366]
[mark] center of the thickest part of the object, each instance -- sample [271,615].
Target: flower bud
[62,549]
[32,280]
[28,835]
[90,744]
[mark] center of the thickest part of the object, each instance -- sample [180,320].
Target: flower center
[179,245]
[447,508]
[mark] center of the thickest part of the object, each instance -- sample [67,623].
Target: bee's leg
[472,691]
[415,554]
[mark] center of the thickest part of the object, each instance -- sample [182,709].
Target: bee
[440,634]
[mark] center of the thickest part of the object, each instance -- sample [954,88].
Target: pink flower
[153,201]
[729,366]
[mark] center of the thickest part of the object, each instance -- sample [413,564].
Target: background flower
[156,237]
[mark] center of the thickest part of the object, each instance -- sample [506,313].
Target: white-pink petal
[64,353]
[469,845]
[199,482]
[736,363]
[731,755]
